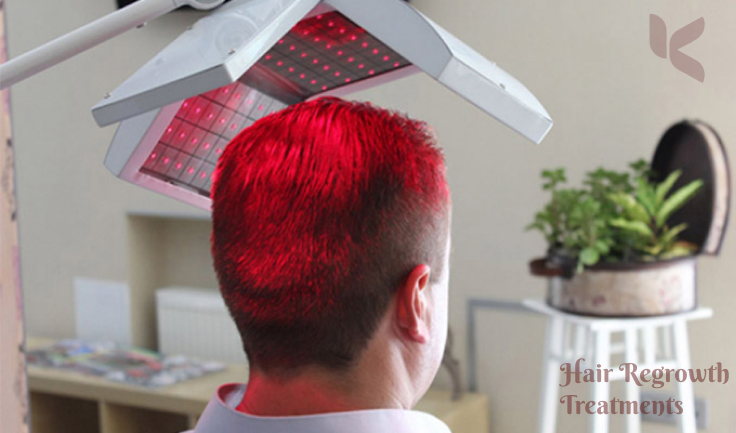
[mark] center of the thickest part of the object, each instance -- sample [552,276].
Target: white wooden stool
[570,337]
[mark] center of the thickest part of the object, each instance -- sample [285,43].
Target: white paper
[102,310]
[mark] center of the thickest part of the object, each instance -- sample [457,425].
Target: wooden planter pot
[627,289]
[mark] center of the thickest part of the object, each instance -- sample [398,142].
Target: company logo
[682,37]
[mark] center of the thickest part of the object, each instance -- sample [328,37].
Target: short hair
[319,213]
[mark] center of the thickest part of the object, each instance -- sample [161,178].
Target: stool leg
[581,338]
[548,403]
[599,391]
[667,342]
[684,389]
[650,345]
[633,421]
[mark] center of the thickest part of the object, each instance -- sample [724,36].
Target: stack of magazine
[125,364]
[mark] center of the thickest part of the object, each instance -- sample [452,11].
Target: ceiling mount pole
[91,35]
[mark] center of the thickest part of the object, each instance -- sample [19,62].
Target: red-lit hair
[320,212]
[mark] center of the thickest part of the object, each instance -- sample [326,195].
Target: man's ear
[411,305]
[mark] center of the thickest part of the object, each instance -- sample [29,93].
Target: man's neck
[311,392]
[382,378]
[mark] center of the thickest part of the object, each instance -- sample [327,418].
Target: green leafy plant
[644,217]
[616,216]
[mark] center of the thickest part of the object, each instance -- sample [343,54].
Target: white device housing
[247,46]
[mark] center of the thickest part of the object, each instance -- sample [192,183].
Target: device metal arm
[91,35]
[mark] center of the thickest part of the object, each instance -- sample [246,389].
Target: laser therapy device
[250,58]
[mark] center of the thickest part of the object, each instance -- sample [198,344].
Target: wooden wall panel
[13,385]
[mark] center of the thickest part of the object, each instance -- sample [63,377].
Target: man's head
[330,218]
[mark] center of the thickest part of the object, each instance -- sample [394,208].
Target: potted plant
[611,247]
[626,243]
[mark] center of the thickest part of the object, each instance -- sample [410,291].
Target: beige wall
[588,62]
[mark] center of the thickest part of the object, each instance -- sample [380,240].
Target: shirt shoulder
[221,416]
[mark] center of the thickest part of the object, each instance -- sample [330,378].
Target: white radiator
[196,323]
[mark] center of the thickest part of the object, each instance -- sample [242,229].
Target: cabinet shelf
[68,402]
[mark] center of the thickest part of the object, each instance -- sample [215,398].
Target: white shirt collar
[220,416]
